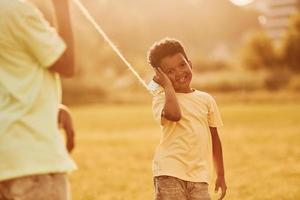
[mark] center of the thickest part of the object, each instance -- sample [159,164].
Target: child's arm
[171,110]
[218,161]
[65,122]
[65,64]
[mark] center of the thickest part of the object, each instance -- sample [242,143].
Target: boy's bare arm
[65,122]
[65,64]
[171,109]
[218,162]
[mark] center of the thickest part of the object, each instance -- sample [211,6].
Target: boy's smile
[178,70]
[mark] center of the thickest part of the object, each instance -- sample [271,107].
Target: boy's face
[179,71]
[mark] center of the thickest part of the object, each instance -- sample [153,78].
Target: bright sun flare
[241,2]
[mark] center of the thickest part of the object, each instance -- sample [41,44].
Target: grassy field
[115,145]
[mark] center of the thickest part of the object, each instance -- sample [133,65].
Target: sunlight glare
[241,2]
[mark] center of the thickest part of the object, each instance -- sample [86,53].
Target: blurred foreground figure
[33,156]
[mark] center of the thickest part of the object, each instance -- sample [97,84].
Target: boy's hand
[65,122]
[220,183]
[161,78]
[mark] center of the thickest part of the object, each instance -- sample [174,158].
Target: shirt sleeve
[38,37]
[214,117]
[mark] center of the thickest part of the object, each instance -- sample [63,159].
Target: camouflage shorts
[171,188]
[36,187]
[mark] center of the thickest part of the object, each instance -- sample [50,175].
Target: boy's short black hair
[164,48]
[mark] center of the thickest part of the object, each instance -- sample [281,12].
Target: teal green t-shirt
[30,141]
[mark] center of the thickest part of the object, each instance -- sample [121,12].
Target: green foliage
[258,52]
[291,45]
[294,84]
[277,79]
[205,65]
[228,81]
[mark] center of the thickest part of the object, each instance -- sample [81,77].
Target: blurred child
[189,119]
[33,157]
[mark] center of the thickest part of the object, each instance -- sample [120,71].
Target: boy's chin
[183,89]
[183,85]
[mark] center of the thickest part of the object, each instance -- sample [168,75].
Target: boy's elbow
[176,118]
[67,73]
[64,66]
[63,70]
[173,117]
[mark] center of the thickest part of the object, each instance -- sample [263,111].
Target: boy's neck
[188,90]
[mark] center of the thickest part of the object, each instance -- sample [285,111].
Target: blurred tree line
[204,27]
[281,59]
[212,31]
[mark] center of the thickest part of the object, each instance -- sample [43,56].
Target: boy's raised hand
[220,184]
[161,78]
[65,122]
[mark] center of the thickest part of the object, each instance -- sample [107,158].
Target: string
[111,44]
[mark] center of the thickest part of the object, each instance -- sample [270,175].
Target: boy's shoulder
[202,93]
[196,95]
[159,91]
[205,97]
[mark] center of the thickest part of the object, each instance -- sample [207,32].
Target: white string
[106,38]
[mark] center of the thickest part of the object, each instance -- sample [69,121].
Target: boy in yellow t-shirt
[189,119]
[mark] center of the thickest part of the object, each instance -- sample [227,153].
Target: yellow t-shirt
[185,149]
[30,141]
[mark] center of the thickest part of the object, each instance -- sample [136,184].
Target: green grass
[115,145]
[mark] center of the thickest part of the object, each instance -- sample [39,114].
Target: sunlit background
[241,2]
[235,46]
[245,53]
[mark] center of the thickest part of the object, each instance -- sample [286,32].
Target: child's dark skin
[65,123]
[64,66]
[175,75]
